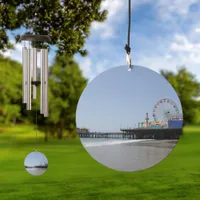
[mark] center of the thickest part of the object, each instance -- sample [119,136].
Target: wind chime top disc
[129,121]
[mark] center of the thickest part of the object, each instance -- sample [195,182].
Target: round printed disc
[129,121]
[36,163]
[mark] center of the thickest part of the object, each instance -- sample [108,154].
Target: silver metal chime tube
[45,92]
[44,82]
[34,62]
[41,81]
[24,65]
[28,105]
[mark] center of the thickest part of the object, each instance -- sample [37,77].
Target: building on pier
[172,121]
[82,130]
[159,134]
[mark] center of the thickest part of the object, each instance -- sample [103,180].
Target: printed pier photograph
[36,163]
[127,123]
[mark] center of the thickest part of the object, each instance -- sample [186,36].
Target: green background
[73,174]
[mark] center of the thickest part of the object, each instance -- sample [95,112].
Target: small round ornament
[129,120]
[36,163]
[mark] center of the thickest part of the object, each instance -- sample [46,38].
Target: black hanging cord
[127,46]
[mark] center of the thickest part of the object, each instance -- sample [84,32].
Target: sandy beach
[133,156]
[36,171]
[156,143]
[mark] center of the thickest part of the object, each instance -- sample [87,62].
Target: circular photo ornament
[36,163]
[129,120]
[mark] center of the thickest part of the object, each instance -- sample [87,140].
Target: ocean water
[128,155]
[92,142]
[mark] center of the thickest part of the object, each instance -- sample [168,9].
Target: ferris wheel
[165,109]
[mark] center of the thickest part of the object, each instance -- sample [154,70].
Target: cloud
[157,62]
[15,53]
[106,31]
[184,47]
[7,53]
[186,52]
[171,63]
[86,67]
[106,28]
[100,67]
[182,44]
[167,9]
[197,30]
[112,6]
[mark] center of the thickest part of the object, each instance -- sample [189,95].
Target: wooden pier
[159,134]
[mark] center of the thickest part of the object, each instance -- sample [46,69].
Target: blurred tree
[66,84]
[188,90]
[10,87]
[67,22]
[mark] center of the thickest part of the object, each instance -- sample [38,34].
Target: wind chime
[29,63]
[35,162]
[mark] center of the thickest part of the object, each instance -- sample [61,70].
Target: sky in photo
[120,99]
[165,34]
[35,158]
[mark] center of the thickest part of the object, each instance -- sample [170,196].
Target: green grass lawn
[73,174]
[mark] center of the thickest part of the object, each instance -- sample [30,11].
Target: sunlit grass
[191,129]
[74,175]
